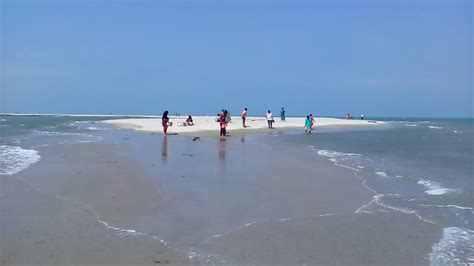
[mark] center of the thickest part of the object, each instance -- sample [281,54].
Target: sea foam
[332,154]
[14,159]
[337,157]
[434,188]
[455,248]
[381,173]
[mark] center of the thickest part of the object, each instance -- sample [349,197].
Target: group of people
[165,122]
[309,123]
[349,116]
[224,117]
[268,115]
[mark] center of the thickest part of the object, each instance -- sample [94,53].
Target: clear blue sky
[396,58]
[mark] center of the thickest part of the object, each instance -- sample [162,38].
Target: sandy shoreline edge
[208,123]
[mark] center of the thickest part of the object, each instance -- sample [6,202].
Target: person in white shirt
[270,119]
[362,117]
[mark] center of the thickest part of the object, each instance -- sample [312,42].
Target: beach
[208,123]
[96,194]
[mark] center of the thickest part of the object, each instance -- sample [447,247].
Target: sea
[422,166]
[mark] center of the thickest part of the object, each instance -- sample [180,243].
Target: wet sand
[70,208]
[345,239]
[147,199]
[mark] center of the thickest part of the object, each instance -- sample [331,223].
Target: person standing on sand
[244,116]
[308,125]
[165,122]
[362,117]
[223,124]
[270,119]
[283,114]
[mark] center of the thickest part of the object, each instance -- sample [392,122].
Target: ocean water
[422,167]
[416,166]
[21,136]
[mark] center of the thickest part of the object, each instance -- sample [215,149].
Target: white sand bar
[208,123]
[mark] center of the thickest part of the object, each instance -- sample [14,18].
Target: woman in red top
[223,124]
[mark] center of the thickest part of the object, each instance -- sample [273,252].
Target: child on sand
[189,121]
[165,122]
[228,118]
[307,125]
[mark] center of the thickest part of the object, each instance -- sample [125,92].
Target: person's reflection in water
[164,148]
[222,149]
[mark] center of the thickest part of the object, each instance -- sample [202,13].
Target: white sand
[208,123]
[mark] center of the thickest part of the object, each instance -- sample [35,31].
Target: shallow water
[415,166]
[421,167]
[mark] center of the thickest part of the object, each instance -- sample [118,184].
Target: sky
[380,58]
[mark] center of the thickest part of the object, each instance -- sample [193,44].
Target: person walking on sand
[283,114]
[308,125]
[270,119]
[244,116]
[223,124]
[311,118]
[165,122]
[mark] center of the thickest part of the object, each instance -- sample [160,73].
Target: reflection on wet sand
[164,148]
[222,149]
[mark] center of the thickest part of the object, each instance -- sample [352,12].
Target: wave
[381,173]
[457,132]
[336,157]
[456,247]
[333,154]
[14,159]
[3,120]
[435,127]
[435,188]
[55,133]
[411,125]
[447,206]
[95,128]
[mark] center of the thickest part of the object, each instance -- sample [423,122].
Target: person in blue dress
[283,114]
[307,125]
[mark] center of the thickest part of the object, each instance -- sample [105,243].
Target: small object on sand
[196,138]
[187,154]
